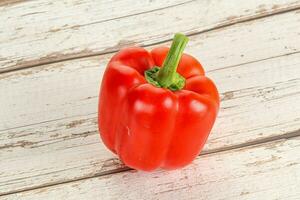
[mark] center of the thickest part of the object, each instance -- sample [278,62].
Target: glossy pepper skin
[152,127]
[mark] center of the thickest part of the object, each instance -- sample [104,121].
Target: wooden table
[52,58]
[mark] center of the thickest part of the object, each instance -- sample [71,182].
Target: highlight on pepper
[156,109]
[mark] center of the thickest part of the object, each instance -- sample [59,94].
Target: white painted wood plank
[36,29]
[260,101]
[267,171]
[44,31]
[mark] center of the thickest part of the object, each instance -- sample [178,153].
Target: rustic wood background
[52,58]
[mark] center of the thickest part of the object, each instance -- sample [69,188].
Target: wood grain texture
[39,32]
[41,29]
[268,171]
[54,105]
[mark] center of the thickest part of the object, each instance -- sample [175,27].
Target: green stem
[167,76]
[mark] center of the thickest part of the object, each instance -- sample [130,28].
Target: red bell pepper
[152,114]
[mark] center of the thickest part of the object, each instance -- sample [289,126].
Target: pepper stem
[167,76]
